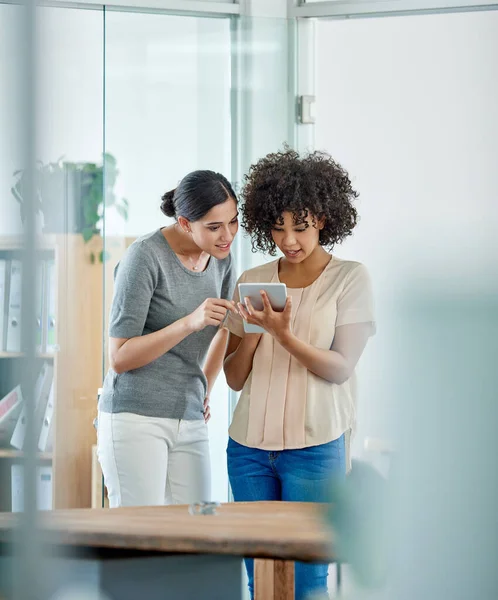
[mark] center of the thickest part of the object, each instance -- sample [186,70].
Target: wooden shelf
[16,242]
[46,355]
[79,332]
[8,453]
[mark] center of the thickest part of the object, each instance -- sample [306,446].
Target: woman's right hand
[211,312]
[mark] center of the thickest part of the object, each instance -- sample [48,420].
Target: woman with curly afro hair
[291,429]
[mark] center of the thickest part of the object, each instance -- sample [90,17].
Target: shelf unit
[46,355]
[77,365]
[17,454]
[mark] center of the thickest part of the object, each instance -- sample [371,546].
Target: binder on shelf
[40,307]
[10,305]
[42,391]
[13,343]
[50,295]
[4,265]
[43,487]
[10,408]
[45,441]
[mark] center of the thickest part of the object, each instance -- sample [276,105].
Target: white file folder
[43,487]
[50,294]
[42,391]
[4,265]
[46,435]
[40,307]
[14,309]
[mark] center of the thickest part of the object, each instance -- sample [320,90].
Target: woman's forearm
[327,364]
[139,351]
[214,360]
[238,365]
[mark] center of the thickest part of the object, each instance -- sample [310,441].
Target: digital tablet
[277,294]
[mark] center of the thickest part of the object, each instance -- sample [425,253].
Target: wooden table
[178,555]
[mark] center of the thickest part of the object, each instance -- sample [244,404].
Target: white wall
[69,97]
[167,102]
[167,109]
[408,106]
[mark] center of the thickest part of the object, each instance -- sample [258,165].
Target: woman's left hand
[207,409]
[277,324]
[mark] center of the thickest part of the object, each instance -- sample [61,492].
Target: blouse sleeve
[355,303]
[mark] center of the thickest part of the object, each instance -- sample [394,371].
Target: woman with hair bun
[166,345]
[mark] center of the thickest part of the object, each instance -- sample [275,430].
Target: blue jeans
[301,475]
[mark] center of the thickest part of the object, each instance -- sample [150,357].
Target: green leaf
[109,159]
[15,192]
[87,234]
[103,256]
[90,212]
[122,211]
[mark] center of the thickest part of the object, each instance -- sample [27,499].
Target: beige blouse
[283,405]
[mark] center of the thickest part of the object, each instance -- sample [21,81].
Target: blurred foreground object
[431,530]
[358,518]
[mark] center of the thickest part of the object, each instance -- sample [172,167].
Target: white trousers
[149,461]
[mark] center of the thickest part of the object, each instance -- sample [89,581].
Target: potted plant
[71,195]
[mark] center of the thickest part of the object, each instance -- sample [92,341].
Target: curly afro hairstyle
[312,185]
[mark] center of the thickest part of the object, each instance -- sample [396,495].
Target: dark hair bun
[196,194]
[168,204]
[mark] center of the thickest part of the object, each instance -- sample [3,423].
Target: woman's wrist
[186,326]
[285,338]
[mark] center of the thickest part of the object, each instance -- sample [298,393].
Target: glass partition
[67,282]
[167,112]
[127,104]
[186,93]
[263,67]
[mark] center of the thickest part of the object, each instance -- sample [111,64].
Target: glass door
[185,93]
[128,103]
[167,112]
[66,284]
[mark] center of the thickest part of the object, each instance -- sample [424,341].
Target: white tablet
[277,294]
